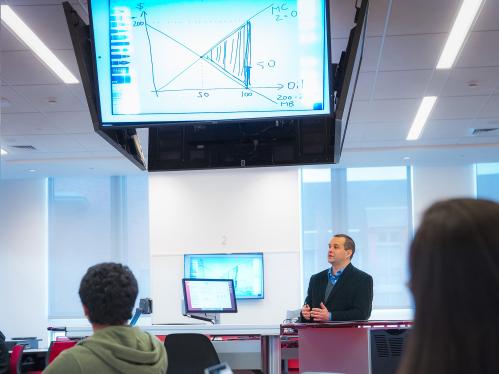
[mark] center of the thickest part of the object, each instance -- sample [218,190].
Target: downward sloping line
[150,57]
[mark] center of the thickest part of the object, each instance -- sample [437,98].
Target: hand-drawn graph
[216,57]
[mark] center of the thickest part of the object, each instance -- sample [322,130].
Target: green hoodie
[114,349]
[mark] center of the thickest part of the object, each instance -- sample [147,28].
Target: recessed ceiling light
[421,116]
[16,24]
[464,20]
[406,158]
[32,170]
[3,151]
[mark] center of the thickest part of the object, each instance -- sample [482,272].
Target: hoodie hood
[124,348]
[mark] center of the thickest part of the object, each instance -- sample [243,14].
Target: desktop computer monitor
[209,295]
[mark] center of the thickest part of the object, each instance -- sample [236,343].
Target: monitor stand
[214,318]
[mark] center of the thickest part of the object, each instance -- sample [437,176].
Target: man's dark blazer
[351,298]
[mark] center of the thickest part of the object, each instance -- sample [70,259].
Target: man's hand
[305,311]
[320,314]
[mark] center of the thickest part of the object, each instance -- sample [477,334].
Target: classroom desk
[33,359]
[263,352]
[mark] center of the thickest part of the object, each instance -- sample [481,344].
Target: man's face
[337,255]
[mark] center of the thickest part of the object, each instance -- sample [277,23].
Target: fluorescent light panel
[3,152]
[421,116]
[11,19]
[460,29]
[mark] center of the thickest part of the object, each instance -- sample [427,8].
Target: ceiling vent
[27,147]
[484,132]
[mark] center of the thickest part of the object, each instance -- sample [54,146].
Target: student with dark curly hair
[108,292]
[454,265]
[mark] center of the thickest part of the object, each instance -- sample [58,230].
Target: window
[373,206]
[487,181]
[93,220]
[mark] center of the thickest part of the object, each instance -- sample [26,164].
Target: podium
[373,347]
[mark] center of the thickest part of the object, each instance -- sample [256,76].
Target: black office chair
[189,353]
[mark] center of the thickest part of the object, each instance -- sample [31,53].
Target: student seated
[454,265]
[108,292]
[4,355]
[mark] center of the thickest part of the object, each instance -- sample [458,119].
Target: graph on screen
[220,57]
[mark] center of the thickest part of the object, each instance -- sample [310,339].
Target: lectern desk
[349,347]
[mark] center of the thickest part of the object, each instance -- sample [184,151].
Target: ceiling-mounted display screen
[210,60]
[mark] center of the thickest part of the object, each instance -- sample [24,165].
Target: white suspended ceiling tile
[12,102]
[481,49]
[437,82]
[55,143]
[489,16]
[411,52]
[92,142]
[376,17]
[459,107]
[385,131]
[448,128]
[71,122]
[68,58]
[365,85]
[355,132]
[402,84]
[27,123]
[33,2]
[472,81]
[8,42]
[400,110]
[52,98]
[47,22]
[78,91]
[422,16]
[491,108]
[342,15]
[371,54]
[22,67]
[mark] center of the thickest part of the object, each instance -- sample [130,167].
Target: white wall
[226,211]
[23,258]
[437,182]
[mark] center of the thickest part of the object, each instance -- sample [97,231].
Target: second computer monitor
[209,295]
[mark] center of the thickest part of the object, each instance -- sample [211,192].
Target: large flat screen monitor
[246,269]
[209,296]
[170,61]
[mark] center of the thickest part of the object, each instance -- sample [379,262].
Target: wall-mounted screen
[163,61]
[246,269]
[209,295]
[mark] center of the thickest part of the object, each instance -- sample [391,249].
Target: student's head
[108,292]
[454,265]
[341,250]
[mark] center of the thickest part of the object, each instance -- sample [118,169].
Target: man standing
[342,292]
[108,292]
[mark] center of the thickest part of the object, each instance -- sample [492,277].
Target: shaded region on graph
[233,55]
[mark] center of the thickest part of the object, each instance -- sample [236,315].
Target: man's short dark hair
[109,291]
[349,243]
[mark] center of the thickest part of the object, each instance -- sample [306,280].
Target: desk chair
[56,347]
[189,353]
[15,359]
